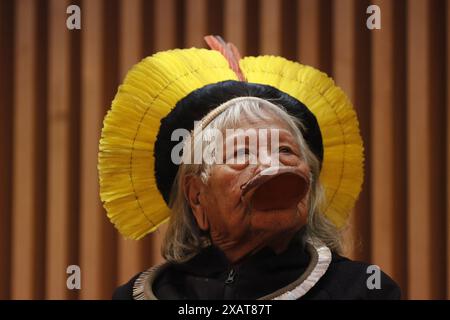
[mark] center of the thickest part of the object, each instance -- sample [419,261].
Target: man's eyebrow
[286,134]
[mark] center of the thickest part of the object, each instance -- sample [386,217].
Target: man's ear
[193,186]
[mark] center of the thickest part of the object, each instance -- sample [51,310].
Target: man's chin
[276,236]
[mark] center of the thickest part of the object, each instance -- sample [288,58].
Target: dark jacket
[209,276]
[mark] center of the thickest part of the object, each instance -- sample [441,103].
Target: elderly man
[260,213]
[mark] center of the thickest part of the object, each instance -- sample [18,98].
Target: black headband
[198,103]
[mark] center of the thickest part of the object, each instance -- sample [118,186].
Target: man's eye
[285,149]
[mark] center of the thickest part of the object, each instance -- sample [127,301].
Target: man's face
[244,210]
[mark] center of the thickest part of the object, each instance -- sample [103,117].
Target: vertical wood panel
[74,164]
[24,247]
[6,142]
[148,17]
[419,197]
[196,23]
[351,57]
[110,80]
[100,79]
[93,218]
[418,152]
[388,205]
[383,182]
[270,25]
[344,45]
[58,224]
[314,33]
[215,18]
[165,24]
[448,149]
[343,74]
[289,29]
[362,102]
[309,34]
[235,24]
[253,30]
[424,151]
[438,144]
[40,147]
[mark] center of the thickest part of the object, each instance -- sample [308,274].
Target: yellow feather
[126,164]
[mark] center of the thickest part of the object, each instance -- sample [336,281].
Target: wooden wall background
[56,85]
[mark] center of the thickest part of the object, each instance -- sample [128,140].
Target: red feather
[229,51]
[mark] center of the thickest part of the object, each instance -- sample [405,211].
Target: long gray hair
[184,239]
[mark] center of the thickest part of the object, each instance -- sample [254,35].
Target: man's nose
[266,161]
[261,167]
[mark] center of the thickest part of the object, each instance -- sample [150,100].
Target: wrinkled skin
[244,211]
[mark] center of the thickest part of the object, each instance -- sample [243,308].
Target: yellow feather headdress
[155,85]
